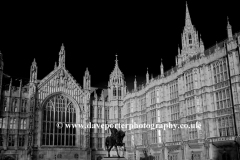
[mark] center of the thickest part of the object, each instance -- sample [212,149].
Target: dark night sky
[140,33]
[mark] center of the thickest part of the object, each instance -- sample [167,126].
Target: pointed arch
[57,110]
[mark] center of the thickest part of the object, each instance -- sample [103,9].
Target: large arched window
[58,109]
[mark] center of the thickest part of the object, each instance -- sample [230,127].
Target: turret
[190,42]
[135,84]
[87,80]
[116,84]
[55,65]
[201,45]
[229,30]
[62,57]
[176,60]
[33,78]
[162,72]
[147,77]
[33,72]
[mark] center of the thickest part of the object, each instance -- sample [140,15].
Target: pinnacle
[116,69]
[34,61]
[188,19]
[87,72]
[228,25]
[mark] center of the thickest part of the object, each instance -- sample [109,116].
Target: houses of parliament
[203,87]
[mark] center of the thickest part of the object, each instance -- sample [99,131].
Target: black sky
[140,33]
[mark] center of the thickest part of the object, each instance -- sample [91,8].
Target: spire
[87,80]
[201,42]
[228,25]
[87,72]
[116,61]
[188,19]
[201,45]
[102,95]
[116,71]
[162,74]
[34,62]
[55,65]
[147,77]
[135,84]
[33,72]
[229,30]
[62,56]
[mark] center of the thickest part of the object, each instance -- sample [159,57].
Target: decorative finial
[188,19]
[229,26]
[62,56]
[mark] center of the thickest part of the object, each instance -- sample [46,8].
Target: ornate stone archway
[57,111]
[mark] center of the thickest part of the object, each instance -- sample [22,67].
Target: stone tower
[116,92]
[191,45]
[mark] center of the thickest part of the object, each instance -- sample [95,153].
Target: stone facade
[197,89]
[30,113]
[106,107]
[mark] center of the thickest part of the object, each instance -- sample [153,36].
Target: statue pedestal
[114,158]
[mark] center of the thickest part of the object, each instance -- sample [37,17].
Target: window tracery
[58,109]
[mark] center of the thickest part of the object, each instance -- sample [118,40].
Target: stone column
[182,148]
[188,153]
[165,153]
[211,151]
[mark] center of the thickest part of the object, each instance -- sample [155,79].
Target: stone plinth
[114,158]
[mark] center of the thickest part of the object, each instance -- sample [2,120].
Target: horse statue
[116,139]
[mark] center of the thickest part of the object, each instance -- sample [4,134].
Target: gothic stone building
[29,116]
[203,86]
[106,108]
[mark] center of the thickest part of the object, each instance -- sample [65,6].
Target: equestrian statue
[116,139]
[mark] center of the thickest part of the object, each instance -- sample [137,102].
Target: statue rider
[114,132]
